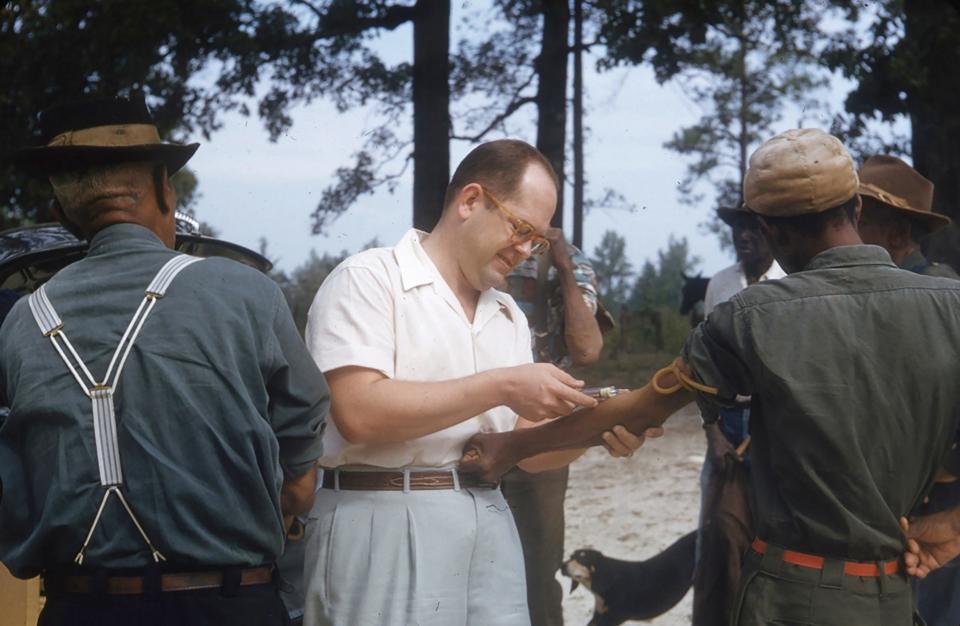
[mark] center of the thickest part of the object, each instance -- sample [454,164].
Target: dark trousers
[537,504]
[255,605]
[938,596]
[774,593]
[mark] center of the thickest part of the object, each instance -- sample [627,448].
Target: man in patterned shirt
[566,324]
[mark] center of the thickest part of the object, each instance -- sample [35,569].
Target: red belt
[850,568]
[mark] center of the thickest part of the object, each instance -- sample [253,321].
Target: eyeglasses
[523,231]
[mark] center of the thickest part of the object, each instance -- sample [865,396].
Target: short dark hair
[497,165]
[814,224]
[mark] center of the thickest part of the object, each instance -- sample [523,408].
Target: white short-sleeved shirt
[390,310]
[730,281]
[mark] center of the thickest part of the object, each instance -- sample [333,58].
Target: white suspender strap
[161,282]
[157,556]
[101,393]
[44,313]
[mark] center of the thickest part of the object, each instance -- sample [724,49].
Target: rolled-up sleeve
[299,397]
[351,322]
[715,352]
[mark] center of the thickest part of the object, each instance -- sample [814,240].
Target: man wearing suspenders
[164,415]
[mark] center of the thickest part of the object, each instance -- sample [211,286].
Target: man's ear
[61,217]
[900,234]
[469,200]
[857,211]
[166,194]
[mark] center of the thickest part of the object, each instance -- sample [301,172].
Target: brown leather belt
[393,481]
[136,585]
[850,568]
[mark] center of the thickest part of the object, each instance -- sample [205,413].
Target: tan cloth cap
[798,172]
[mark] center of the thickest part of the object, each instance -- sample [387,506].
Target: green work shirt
[852,366]
[218,401]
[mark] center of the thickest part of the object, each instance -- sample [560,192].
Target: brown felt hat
[895,184]
[99,131]
[798,172]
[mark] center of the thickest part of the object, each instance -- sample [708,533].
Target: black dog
[628,590]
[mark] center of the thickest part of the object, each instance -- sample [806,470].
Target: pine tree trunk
[578,180]
[552,91]
[431,110]
[931,27]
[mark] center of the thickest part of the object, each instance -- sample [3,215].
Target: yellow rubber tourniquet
[685,382]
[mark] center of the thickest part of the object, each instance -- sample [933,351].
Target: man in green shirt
[851,376]
[165,416]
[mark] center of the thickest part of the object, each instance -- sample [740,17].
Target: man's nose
[524,247]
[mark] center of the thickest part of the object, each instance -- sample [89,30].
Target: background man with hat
[719,549]
[897,214]
[165,416]
[852,412]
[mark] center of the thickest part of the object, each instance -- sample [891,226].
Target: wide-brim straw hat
[798,172]
[81,134]
[898,186]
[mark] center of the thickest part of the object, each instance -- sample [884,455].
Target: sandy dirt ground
[633,508]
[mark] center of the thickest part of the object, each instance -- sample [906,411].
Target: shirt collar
[848,256]
[417,269]
[123,236]
[773,272]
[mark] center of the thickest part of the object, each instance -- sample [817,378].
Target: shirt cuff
[355,356]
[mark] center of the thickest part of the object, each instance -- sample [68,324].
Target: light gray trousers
[439,558]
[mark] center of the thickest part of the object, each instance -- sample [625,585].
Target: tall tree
[551,67]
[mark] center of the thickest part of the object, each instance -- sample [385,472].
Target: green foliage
[53,51]
[300,287]
[185,184]
[302,284]
[659,286]
[613,269]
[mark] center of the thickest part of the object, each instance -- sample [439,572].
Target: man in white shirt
[755,262]
[420,353]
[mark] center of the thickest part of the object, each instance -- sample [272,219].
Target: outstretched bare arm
[490,455]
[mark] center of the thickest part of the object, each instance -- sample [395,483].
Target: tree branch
[391,18]
[510,110]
